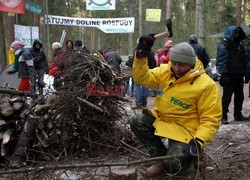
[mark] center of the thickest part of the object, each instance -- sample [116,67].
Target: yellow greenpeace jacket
[189,107]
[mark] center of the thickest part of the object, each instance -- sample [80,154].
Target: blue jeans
[129,87]
[141,95]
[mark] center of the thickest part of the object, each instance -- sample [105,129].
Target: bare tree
[238,12]
[130,36]
[168,9]
[3,56]
[140,17]
[199,21]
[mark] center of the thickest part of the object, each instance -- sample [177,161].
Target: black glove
[144,45]
[168,23]
[246,79]
[225,81]
[192,149]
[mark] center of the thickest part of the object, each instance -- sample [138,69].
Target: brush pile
[84,117]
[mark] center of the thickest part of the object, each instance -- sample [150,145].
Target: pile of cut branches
[86,112]
[84,117]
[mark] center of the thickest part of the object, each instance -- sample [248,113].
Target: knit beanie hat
[78,43]
[183,53]
[17,45]
[56,45]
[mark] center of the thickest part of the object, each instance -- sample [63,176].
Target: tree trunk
[168,9]
[23,143]
[238,12]
[244,11]
[140,18]
[3,56]
[6,108]
[47,32]
[130,35]
[199,21]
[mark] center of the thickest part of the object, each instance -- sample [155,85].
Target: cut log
[24,142]
[6,136]
[2,122]
[5,106]
[23,114]
[123,173]
[3,149]
[1,135]
[17,99]
[49,125]
[46,117]
[17,105]
[41,107]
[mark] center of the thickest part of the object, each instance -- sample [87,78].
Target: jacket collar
[196,71]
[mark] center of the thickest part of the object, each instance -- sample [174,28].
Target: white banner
[100,4]
[111,25]
[22,33]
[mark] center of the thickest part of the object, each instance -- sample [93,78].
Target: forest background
[200,17]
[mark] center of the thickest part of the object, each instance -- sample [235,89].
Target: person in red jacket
[166,54]
[56,67]
[160,53]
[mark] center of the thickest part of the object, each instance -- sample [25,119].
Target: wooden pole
[47,31]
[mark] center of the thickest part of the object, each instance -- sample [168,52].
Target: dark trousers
[142,126]
[57,83]
[236,87]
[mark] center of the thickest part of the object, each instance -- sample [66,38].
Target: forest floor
[228,155]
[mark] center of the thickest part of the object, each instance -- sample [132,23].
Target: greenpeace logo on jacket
[180,103]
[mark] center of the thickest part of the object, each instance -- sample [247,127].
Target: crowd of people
[31,63]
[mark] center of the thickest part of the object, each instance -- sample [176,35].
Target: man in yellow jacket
[186,115]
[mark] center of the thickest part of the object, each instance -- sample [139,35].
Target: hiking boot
[224,121]
[240,118]
[154,169]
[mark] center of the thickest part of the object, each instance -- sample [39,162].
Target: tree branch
[73,166]
[15,92]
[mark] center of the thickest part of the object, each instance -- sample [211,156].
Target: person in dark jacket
[40,66]
[113,58]
[200,51]
[247,78]
[231,62]
[79,46]
[25,69]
